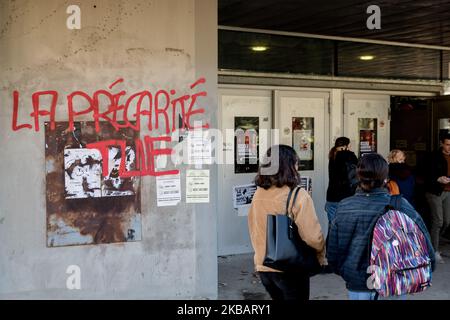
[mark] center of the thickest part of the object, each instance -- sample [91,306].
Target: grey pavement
[238,281]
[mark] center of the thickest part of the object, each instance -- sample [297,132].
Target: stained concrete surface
[238,281]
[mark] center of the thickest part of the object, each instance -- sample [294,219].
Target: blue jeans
[361,295]
[330,208]
[370,295]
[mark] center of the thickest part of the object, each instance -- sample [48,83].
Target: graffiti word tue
[145,159]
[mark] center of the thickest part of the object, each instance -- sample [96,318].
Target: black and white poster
[306,183]
[243,195]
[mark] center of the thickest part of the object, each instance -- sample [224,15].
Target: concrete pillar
[152,45]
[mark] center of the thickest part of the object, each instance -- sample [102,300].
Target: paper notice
[168,190]
[199,148]
[197,186]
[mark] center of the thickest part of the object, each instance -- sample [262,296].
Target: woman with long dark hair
[276,178]
[342,180]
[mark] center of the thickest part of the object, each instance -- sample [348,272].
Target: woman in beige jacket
[270,198]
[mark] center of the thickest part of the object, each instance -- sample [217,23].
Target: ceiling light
[259,48]
[366,58]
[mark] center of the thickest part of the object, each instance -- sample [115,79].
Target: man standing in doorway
[438,192]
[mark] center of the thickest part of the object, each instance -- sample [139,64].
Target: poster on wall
[246,144]
[243,195]
[306,183]
[82,173]
[168,190]
[113,185]
[83,206]
[367,135]
[197,186]
[199,147]
[303,141]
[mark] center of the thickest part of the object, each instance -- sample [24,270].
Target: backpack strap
[395,203]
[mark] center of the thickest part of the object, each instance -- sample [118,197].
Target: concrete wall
[151,45]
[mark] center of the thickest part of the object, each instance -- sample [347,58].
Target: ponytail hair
[332,153]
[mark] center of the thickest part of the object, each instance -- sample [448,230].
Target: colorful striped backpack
[399,259]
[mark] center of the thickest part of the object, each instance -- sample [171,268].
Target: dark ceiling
[422,22]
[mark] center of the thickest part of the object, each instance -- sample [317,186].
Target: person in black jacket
[342,175]
[437,185]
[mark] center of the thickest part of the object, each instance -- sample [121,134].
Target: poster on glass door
[303,141]
[246,152]
[367,135]
[306,183]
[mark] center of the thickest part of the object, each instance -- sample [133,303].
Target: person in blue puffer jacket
[350,232]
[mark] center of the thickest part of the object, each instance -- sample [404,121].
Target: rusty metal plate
[84,206]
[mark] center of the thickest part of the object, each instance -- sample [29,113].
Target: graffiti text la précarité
[148,107]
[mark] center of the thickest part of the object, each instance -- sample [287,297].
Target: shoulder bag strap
[297,189]
[289,200]
[291,220]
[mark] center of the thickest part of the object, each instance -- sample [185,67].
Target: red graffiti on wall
[151,110]
[144,168]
